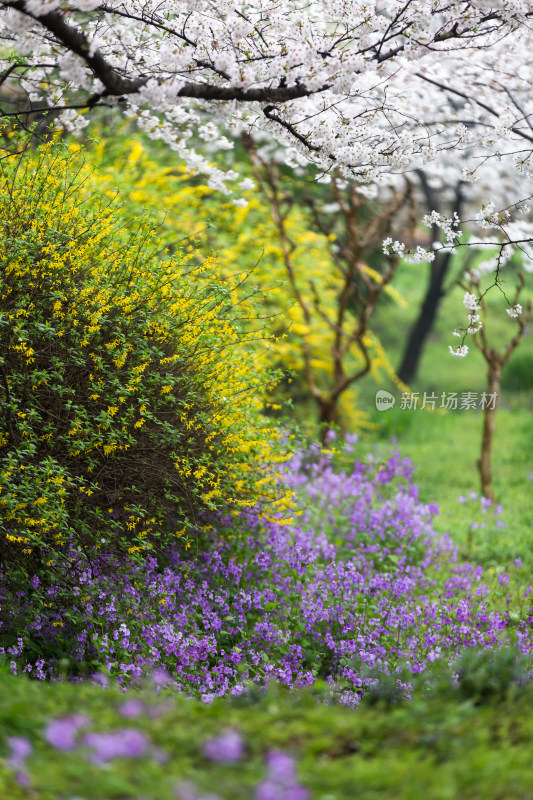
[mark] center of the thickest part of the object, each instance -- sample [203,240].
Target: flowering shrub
[356,587]
[247,235]
[120,371]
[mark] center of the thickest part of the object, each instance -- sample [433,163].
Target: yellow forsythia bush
[245,237]
[129,400]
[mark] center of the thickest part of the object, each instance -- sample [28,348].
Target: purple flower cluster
[479,511]
[226,748]
[279,783]
[356,585]
[64,734]
[124,743]
[19,750]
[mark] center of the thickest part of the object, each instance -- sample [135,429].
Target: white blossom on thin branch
[371,90]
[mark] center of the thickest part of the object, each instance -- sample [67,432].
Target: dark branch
[117,85]
[267,111]
[471,98]
[76,41]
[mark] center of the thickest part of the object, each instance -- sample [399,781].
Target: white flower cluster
[393,248]
[474,320]
[488,217]
[420,256]
[470,302]
[460,351]
[472,306]
[468,175]
[374,89]
[40,7]
[448,225]
[85,5]
[417,256]
[515,310]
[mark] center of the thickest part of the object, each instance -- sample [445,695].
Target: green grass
[453,743]
[445,449]
[439,371]
[446,446]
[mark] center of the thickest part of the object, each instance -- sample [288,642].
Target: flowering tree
[495,359]
[435,286]
[440,188]
[364,86]
[338,326]
[372,89]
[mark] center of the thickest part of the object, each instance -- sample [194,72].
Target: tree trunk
[489,419]
[327,416]
[426,318]
[435,290]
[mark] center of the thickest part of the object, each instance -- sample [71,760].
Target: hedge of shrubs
[130,402]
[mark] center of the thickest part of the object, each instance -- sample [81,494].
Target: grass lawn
[452,744]
[445,446]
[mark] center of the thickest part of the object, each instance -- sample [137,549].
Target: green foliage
[518,374]
[441,745]
[129,400]
[490,675]
[246,238]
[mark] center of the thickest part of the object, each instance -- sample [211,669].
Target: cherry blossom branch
[474,99]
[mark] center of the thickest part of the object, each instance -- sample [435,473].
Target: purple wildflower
[160,678]
[131,708]
[280,766]
[281,782]
[229,615]
[61,733]
[122,743]
[187,791]
[20,749]
[227,748]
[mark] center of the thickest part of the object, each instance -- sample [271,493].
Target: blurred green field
[468,741]
[445,446]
